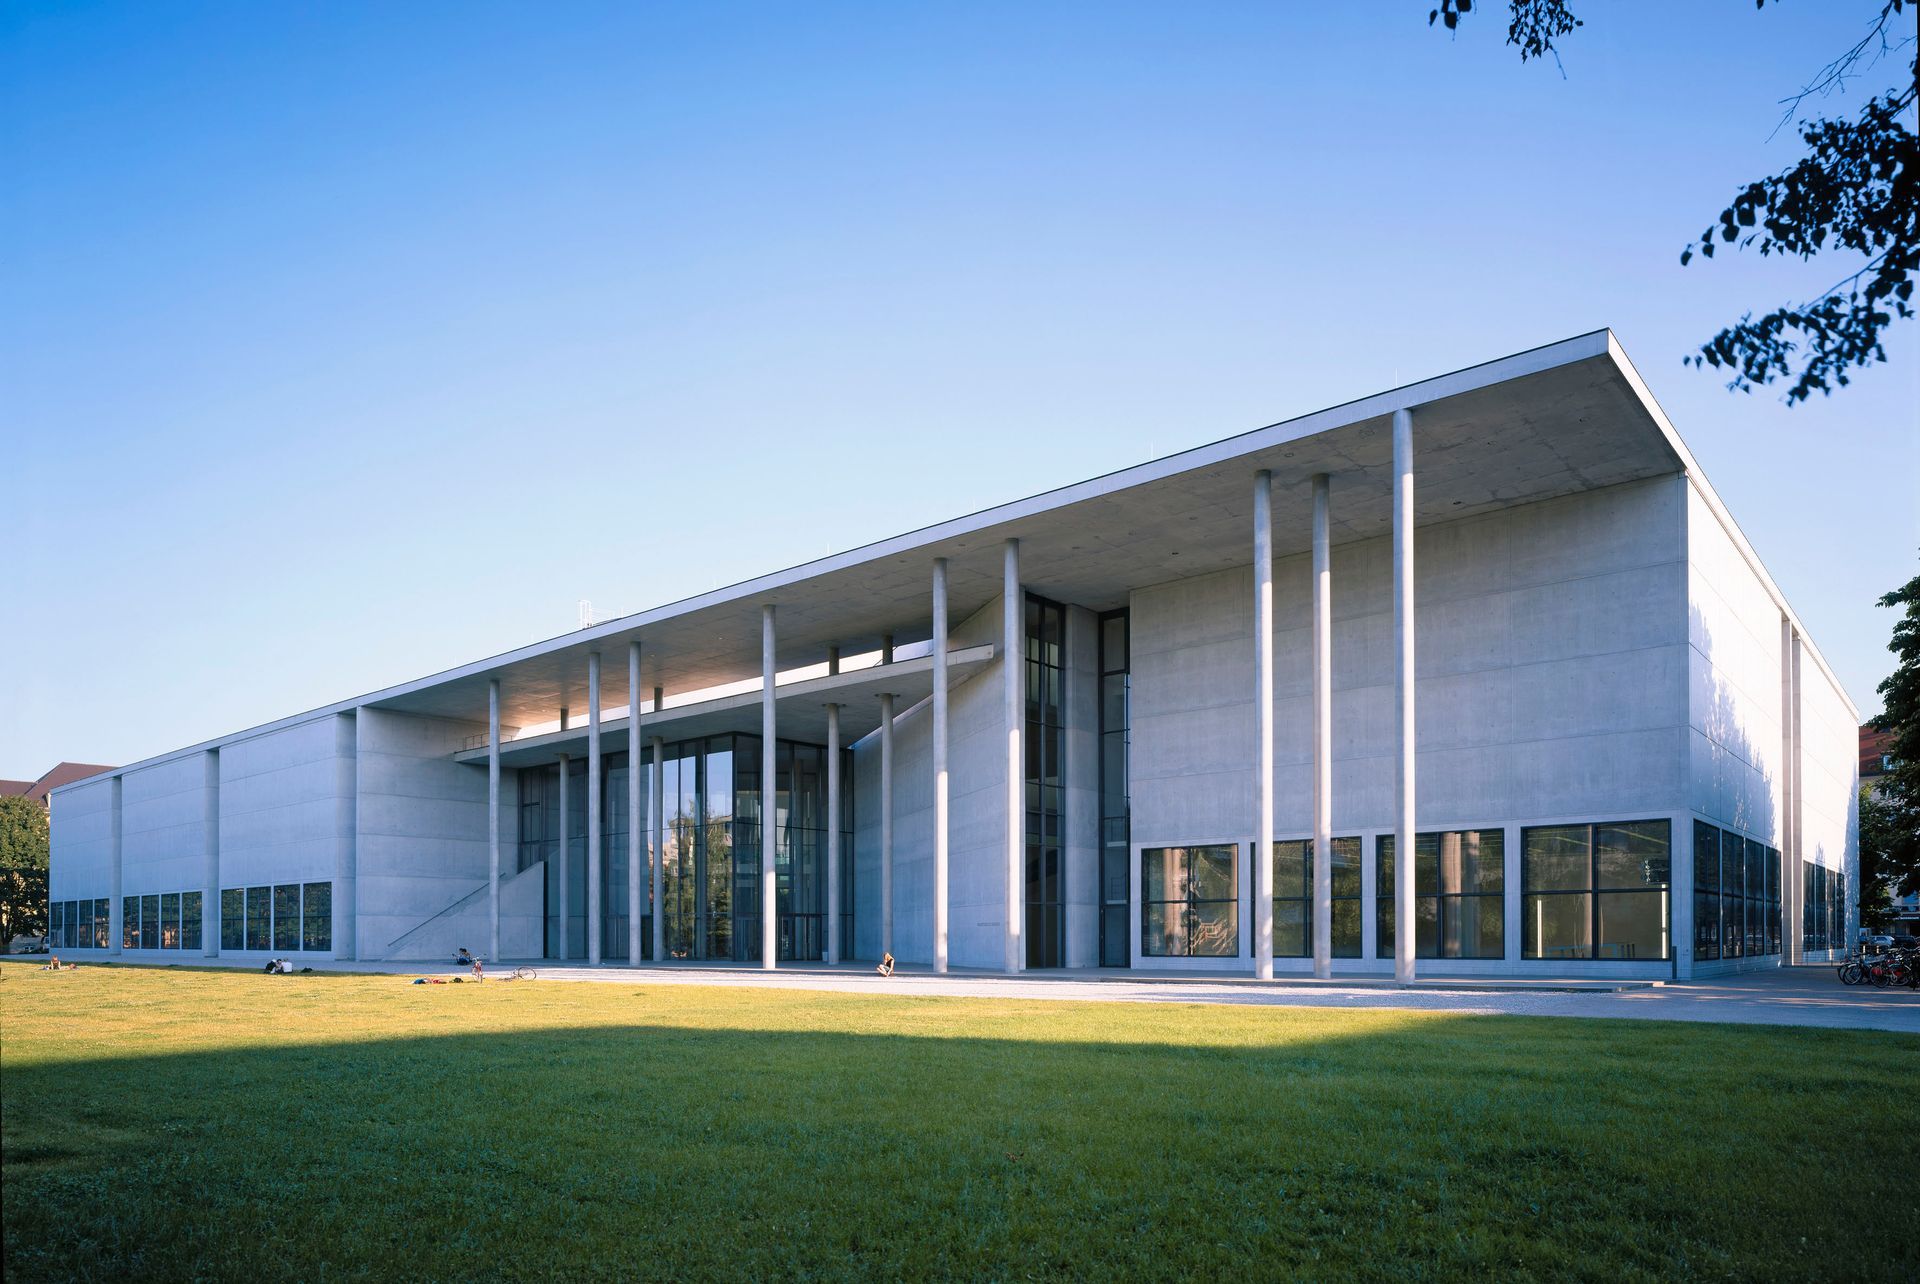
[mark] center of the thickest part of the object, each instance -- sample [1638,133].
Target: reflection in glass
[1459,884]
[1190,901]
[1620,909]
[190,920]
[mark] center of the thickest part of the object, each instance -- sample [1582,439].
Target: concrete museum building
[1187,716]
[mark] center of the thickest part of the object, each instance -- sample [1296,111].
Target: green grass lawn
[174,1123]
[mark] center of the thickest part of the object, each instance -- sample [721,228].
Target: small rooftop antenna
[586,613]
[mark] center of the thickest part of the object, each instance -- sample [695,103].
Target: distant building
[64,773]
[1876,759]
[1876,750]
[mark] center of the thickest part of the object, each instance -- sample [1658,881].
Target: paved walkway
[1805,996]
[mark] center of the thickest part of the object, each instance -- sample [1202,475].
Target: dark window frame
[1189,901]
[1594,890]
[1446,904]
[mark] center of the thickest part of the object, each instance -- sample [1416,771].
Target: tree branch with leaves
[1853,191]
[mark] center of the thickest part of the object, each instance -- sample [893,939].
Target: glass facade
[79,924]
[1823,915]
[1190,902]
[710,862]
[1116,811]
[1045,926]
[1736,895]
[160,921]
[316,916]
[1293,898]
[233,919]
[1459,895]
[1596,891]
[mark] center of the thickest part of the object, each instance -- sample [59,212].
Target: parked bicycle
[1898,966]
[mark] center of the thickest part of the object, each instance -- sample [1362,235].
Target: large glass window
[1459,895]
[150,922]
[1293,898]
[85,937]
[1190,902]
[259,918]
[190,920]
[286,916]
[1733,896]
[316,916]
[233,918]
[710,809]
[170,920]
[130,922]
[57,923]
[1045,917]
[102,923]
[1115,805]
[1596,891]
[1773,901]
[1706,892]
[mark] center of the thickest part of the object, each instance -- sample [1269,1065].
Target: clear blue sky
[343,343]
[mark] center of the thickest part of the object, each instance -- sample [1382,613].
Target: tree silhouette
[1853,190]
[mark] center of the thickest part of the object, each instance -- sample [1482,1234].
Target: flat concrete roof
[1555,420]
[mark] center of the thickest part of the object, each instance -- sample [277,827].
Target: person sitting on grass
[463,958]
[886,965]
[53,964]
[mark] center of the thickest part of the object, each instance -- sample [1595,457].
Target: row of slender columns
[1012,647]
[1404,722]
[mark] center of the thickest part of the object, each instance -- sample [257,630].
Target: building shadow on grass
[663,1150]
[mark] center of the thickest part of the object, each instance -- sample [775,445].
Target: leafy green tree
[1890,829]
[23,869]
[1876,840]
[1855,190]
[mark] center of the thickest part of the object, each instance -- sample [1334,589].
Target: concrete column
[886,649]
[210,893]
[636,836]
[833,660]
[593,807]
[658,859]
[1403,693]
[1013,650]
[566,858]
[493,820]
[941,819]
[769,885]
[1796,833]
[886,823]
[115,903]
[1323,732]
[833,830]
[346,837]
[1263,723]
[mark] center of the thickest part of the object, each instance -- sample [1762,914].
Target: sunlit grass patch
[234,1125]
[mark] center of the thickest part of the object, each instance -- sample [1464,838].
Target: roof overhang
[801,709]
[1567,417]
